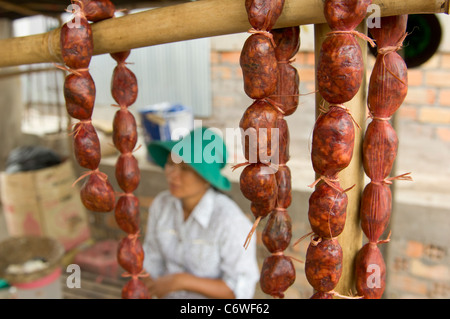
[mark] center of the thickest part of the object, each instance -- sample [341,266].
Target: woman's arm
[211,288]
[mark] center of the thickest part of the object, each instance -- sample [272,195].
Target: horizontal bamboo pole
[192,20]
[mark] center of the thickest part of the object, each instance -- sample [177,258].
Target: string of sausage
[124,89]
[387,90]
[278,272]
[339,77]
[130,254]
[266,180]
[96,193]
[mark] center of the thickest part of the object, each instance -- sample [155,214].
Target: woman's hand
[166,284]
[212,288]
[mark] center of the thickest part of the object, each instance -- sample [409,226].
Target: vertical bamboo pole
[11,105]
[351,238]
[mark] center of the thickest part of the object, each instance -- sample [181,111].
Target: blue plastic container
[165,121]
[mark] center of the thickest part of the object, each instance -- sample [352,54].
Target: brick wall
[428,99]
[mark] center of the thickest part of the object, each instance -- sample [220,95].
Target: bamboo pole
[351,238]
[185,21]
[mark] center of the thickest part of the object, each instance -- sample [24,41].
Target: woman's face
[183,180]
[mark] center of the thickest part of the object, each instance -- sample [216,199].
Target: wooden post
[351,238]
[185,21]
[10,106]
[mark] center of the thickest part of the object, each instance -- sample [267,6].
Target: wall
[10,95]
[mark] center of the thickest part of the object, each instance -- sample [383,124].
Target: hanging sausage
[387,89]
[124,89]
[278,271]
[96,193]
[130,254]
[339,77]
[270,79]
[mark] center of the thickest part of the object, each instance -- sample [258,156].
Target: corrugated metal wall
[176,73]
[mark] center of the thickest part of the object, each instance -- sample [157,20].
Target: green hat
[203,149]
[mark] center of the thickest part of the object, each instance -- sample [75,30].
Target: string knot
[277,106]
[140,274]
[71,71]
[389,49]
[265,33]
[329,181]
[88,173]
[355,33]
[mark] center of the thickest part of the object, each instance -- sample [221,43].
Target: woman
[195,233]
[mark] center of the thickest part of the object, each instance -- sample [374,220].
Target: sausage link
[259,66]
[79,94]
[76,43]
[277,274]
[97,194]
[126,213]
[323,265]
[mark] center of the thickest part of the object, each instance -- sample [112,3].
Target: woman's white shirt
[208,244]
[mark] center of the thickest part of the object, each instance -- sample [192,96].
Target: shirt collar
[203,211]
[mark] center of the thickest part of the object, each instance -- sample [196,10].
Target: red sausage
[79,94]
[287,92]
[86,145]
[263,207]
[327,211]
[126,213]
[259,66]
[388,85]
[257,183]
[97,10]
[127,172]
[120,57]
[97,194]
[262,14]
[379,150]
[284,181]
[340,68]
[391,30]
[323,265]
[333,142]
[277,275]
[277,232]
[77,44]
[345,15]
[124,131]
[322,295]
[283,140]
[130,255]
[375,212]
[287,42]
[135,289]
[257,126]
[370,272]
[124,88]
